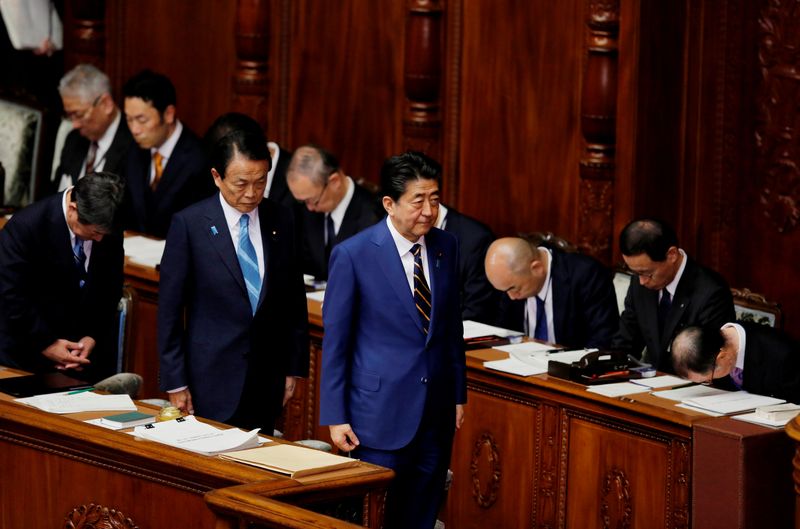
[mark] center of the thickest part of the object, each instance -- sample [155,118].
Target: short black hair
[649,236]
[700,347]
[250,145]
[98,197]
[400,169]
[152,87]
[227,123]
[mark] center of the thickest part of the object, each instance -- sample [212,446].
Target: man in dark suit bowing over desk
[168,170]
[553,296]
[334,207]
[393,369]
[668,292]
[232,321]
[61,280]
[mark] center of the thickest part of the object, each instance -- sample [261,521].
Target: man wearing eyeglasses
[668,292]
[741,355]
[100,139]
[333,206]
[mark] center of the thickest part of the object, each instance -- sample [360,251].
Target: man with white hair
[100,139]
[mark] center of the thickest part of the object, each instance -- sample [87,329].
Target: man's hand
[69,355]
[459,416]
[288,391]
[182,400]
[343,437]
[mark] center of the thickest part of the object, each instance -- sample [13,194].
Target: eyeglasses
[710,380]
[315,202]
[81,115]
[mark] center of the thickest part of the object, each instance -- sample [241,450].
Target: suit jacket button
[424,380]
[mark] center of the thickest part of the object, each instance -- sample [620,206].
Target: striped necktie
[422,294]
[248,262]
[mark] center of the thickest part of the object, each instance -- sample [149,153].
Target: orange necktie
[157,164]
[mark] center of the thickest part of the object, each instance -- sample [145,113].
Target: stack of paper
[474,329]
[143,250]
[318,295]
[84,401]
[729,403]
[617,389]
[776,416]
[516,367]
[292,460]
[190,434]
[689,392]
[663,381]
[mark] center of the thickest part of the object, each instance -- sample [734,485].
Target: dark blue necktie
[330,234]
[540,332]
[249,263]
[663,309]
[79,258]
[422,294]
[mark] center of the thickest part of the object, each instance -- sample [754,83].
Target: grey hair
[313,162]
[86,82]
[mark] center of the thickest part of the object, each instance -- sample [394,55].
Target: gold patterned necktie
[422,294]
[158,161]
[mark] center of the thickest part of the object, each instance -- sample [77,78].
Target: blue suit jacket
[221,338]
[378,367]
[584,305]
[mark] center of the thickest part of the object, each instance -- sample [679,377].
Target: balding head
[515,267]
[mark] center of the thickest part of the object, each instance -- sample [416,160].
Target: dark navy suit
[394,385]
[185,181]
[40,297]
[584,304]
[223,351]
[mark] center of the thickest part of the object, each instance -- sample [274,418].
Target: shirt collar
[673,285]
[275,155]
[168,146]
[545,292]
[742,343]
[232,215]
[337,214]
[441,220]
[104,143]
[402,244]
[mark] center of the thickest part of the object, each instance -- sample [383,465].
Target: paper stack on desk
[292,460]
[78,402]
[190,434]
[729,403]
[144,250]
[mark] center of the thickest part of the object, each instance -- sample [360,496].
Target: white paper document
[689,392]
[143,250]
[517,367]
[663,381]
[84,401]
[524,349]
[318,295]
[473,329]
[730,402]
[190,434]
[755,419]
[617,389]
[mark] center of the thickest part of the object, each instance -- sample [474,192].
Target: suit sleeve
[718,308]
[600,304]
[457,342]
[338,315]
[629,337]
[172,292]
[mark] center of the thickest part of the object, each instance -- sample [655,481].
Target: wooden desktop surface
[57,467]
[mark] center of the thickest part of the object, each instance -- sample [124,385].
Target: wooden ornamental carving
[616,505]
[777,137]
[251,77]
[422,121]
[548,426]
[485,471]
[598,127]
[97,517]
[85,33]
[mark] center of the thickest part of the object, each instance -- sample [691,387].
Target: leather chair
[20,139]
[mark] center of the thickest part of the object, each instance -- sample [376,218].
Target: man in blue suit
[393,369]
[554,296]
[232,320]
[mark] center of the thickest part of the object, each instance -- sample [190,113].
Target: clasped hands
[66,354]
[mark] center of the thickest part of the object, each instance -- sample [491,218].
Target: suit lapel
[560,284]
[438,278]
[269,235]
[316,237]
[680,303]
[392,269]
[219,237]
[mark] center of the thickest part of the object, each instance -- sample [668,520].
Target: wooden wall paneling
[422,120]
[598,126]
[346,88]
[190,41]
[251,77]
[84,33]
[520,71]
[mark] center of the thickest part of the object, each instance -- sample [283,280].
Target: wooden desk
[55,468]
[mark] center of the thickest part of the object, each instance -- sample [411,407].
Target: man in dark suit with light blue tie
[232,320]
[393,369]
[553,296]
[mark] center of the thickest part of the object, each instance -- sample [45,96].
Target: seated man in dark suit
[168,170]
[335,206]
[742,355]
[668,292]
[61,280]
[99,140]
[479,299]
[554,296]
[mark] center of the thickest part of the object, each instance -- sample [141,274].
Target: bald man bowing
[553,296]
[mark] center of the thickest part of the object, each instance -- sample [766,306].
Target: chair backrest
[548,239]
[751,306]
[20,139]
[622,281]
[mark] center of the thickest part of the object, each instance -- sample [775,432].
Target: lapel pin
[214,230]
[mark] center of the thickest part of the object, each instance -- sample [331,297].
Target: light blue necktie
[79,258]
[249,263]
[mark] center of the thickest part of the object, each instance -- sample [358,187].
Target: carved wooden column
[793,431]
[422,120]
[598,127]
[85,33]
[251,77]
